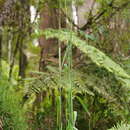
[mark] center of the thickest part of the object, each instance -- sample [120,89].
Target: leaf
[91,37]
[83,105]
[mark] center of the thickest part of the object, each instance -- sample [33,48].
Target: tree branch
[93,19]
[69,19]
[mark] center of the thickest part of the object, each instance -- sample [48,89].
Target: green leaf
[83,105]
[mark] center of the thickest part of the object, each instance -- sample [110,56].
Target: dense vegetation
[68,68]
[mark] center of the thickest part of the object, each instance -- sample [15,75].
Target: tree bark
[49,19]
[25,29]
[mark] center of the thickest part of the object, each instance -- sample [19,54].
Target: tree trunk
[49,18]
[25,29]
[49,47]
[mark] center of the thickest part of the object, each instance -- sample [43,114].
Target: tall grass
[69,83]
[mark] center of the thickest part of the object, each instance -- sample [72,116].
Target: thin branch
[69,19]
[93,19]
[120,8]
[0,51]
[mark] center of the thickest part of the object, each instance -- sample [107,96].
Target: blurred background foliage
[29,97]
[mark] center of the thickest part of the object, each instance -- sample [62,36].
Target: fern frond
[93,53]
[121,126]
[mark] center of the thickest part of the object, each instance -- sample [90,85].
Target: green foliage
[12,115]
[95,83]
[6,69]
[121,126]
[96,55]
[99,94]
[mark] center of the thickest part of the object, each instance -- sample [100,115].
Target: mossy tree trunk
[24,21]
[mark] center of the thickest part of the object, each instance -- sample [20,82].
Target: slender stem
[70,96]
[0,52]
[59,105]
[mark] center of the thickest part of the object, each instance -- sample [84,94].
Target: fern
[93,53]
[88,84]
[121,126]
